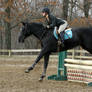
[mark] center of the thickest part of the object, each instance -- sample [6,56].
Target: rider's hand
[57,32]
[48,26]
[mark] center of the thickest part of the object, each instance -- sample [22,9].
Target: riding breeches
[62,27]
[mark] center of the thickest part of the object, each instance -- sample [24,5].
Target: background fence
[74,54]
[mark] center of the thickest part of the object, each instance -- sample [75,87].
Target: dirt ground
[13,78]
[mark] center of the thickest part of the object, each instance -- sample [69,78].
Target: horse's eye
[23,28]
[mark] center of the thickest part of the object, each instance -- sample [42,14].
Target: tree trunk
[86,8]
[65,9]
[7,28]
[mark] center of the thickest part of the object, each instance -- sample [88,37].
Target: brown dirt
[13,78]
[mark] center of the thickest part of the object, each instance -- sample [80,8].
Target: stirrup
[62,44]
[59,42]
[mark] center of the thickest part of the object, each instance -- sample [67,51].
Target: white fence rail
[19,51]
[78,54]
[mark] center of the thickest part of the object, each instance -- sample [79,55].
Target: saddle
[67,34]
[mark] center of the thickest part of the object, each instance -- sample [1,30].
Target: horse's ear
[23,23]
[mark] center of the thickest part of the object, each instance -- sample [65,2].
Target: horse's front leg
[46,60]
[36,61]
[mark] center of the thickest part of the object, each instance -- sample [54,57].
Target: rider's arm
[53,22]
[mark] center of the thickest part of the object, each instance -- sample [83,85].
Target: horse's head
[25,32]
[37,29]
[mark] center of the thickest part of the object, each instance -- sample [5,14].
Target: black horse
[81,36]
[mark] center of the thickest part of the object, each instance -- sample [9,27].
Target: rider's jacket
[53,21]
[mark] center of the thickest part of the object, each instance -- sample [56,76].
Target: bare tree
[65,9]
[86,8]
[7,25]
[12,12]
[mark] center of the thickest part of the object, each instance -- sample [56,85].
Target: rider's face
[44,14]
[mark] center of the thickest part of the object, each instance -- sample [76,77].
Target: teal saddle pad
[67,35]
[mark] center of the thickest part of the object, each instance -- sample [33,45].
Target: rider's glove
[48,26]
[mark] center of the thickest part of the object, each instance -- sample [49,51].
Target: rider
[52,22]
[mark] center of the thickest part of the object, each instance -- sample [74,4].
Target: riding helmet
[47,10]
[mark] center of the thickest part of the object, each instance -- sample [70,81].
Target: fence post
[61,70]
[9,52]
[73,54]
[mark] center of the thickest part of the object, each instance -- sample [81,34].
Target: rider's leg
[62,36]
[62,27]
[61,31]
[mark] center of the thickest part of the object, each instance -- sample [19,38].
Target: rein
[44,33]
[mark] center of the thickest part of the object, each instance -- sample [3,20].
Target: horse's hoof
[27,71]
[41,79]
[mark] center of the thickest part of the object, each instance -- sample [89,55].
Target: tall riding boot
[62,38]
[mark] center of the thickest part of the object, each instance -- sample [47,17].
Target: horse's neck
[38,33]
[38,30]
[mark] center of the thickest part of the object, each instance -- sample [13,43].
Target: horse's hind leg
[87,47]
[89,50]
[46,60]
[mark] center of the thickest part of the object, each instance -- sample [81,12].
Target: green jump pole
[61,69]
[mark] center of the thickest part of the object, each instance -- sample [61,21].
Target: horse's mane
[36,24]
[40,29]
